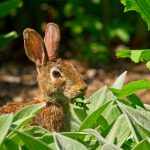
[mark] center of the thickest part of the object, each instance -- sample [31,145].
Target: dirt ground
[18,82]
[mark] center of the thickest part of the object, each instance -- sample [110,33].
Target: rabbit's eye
[56,74]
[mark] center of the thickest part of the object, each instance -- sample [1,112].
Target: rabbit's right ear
[51,40]
[34,46]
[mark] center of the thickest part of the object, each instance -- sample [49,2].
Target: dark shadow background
[91,29]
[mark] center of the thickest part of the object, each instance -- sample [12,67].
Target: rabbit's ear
[51,40]
[34,46]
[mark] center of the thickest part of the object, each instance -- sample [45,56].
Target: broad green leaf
[110,96]
[48,137]
[5,122]
[65,143]
[135,55]
[99,137]
[40,134]
[131,88]
[31,142]
[135,100]
[143,145]
[119,81]
[112,114]
[19,124]
[22,122]
[75,135]
[36,131]
[74,125]
[148,65]
[28,110]
[78,114]
[91,119]
[139,117]
[110,147]
[96,100]
[119,132]
[137,136]
[7,6]
[123,54]
[142,7]
[101,123]
[9,144]
[7,38]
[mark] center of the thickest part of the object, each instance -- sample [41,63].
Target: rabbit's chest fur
[54,117]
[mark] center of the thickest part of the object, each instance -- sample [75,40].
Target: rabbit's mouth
[73,97]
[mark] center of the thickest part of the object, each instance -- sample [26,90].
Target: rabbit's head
[58,79]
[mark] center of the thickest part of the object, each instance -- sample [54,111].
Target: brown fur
[56,91]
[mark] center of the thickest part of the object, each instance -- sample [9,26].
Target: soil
[18,81]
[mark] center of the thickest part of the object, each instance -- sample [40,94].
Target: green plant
[6,8]
[114,119]
[143,7]
[91,30]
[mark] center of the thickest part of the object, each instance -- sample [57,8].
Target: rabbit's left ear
[34,46]
[51,40]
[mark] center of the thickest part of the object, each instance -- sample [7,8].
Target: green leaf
[131,88]
[19,124]
[119,81]
[5,122]
[110,96]
[142,7]
[40,134]
[96,100]
[135,55]
[112,114]
[119,131]
[7,38]
[101,123]
[133,129]
[110,147]
[143,145]
[9,144]
[75,135]
[48,137]
[91,119]
[27,111]
[7,6]
[99,137]
[135,100]
[74,125]
[123,53]
[35,131]
[31,142]
[77,113]
[65,143]
[148,65]
[139,117]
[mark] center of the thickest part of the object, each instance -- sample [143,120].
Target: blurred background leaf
[91,31]
[8,6]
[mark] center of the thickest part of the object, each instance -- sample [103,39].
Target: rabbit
[59,81]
